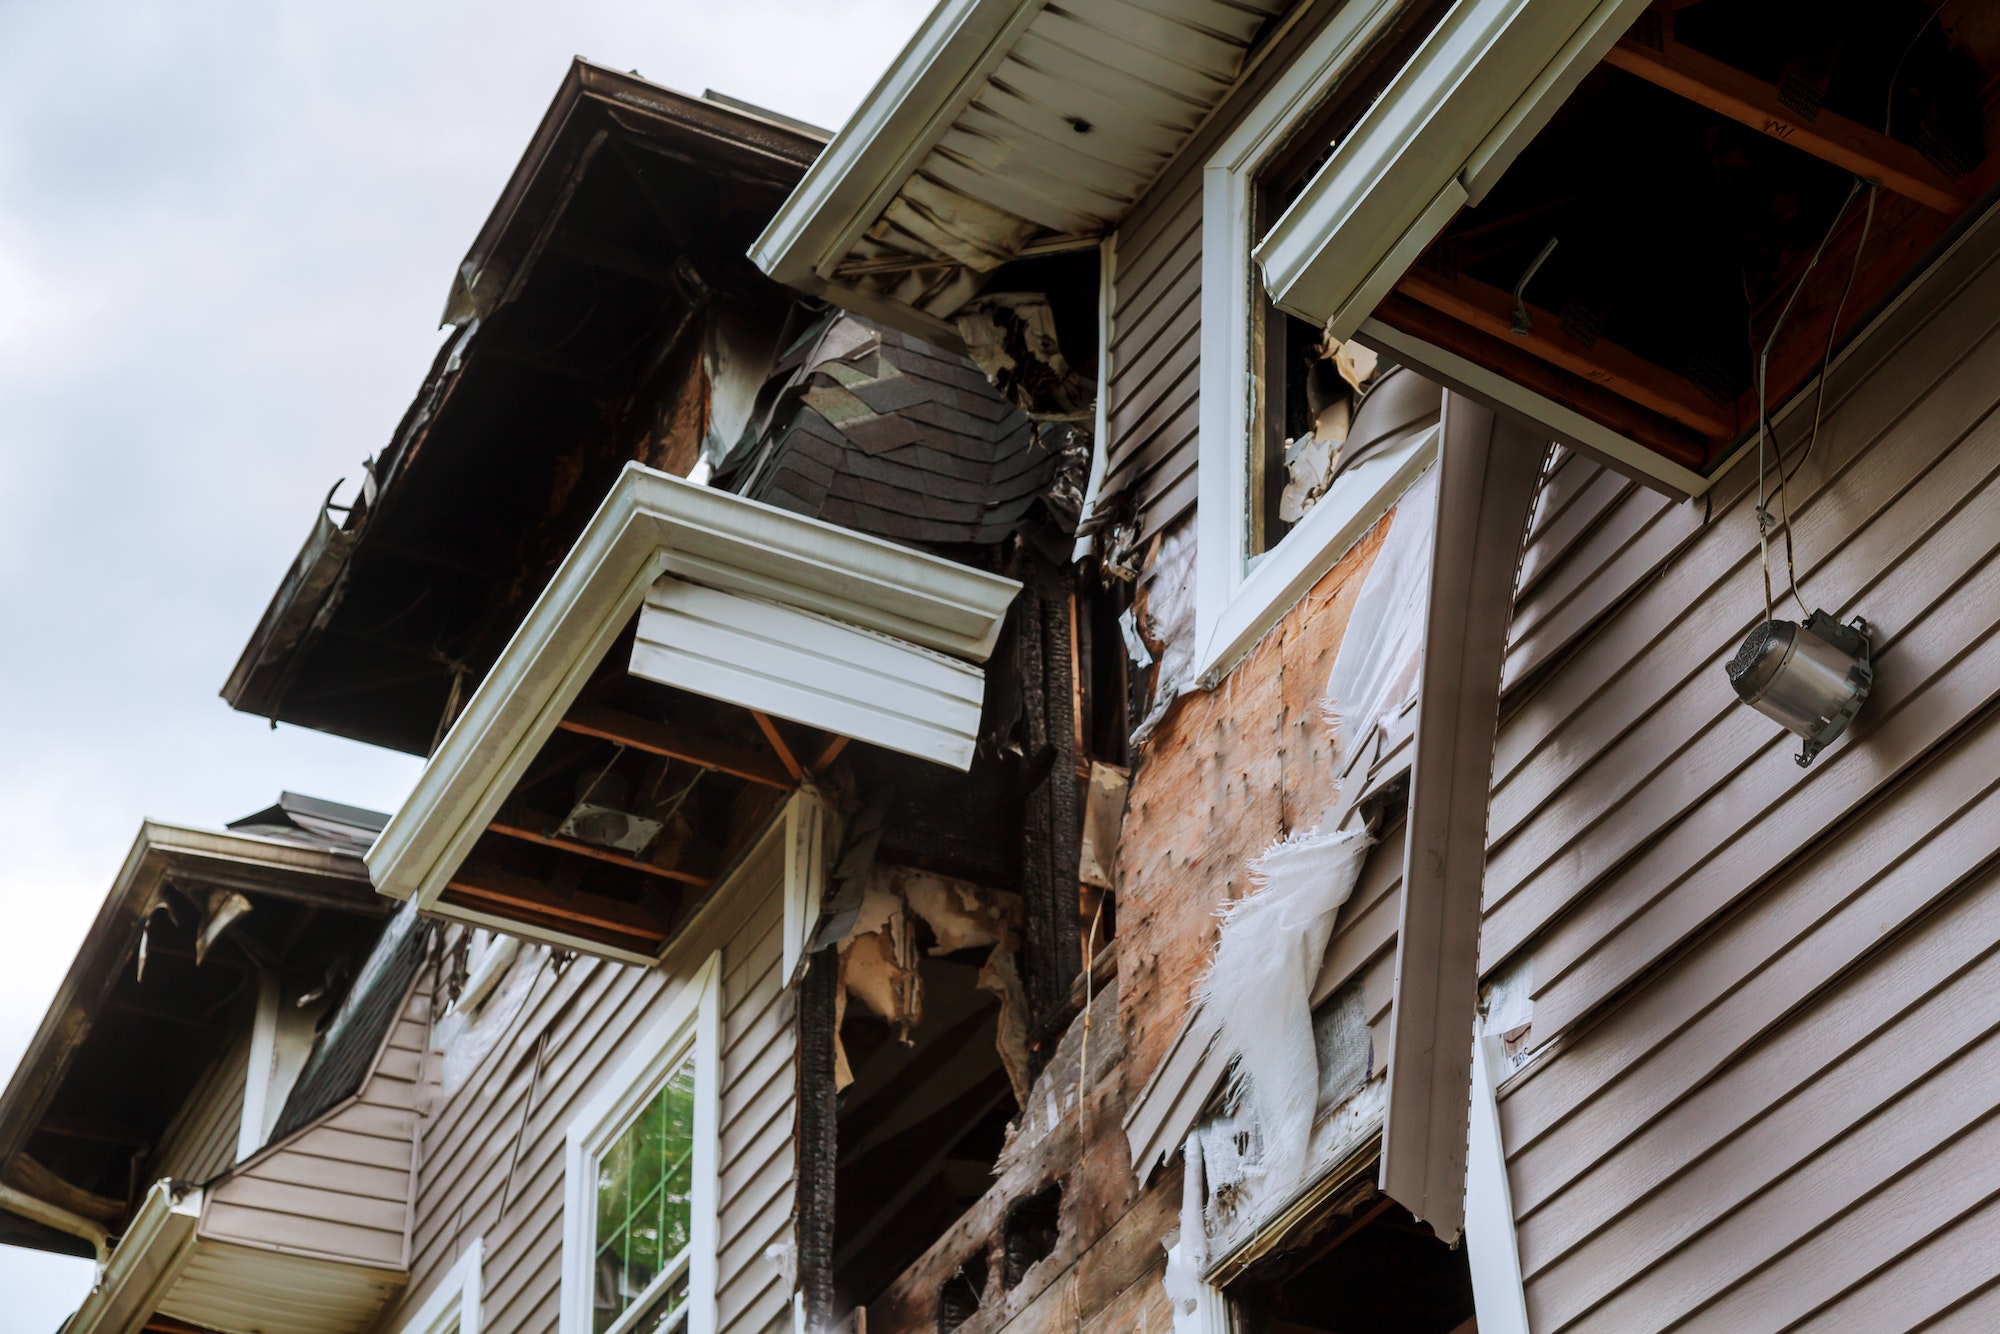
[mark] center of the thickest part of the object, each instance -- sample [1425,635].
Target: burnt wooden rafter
[581,849]
[1730,92]
[658,739]
[1625,373]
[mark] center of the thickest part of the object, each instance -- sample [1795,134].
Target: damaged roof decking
[631,205]
[1005,128]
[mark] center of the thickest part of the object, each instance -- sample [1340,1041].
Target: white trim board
[652,525]
[454,1305]
[1234,604]
[692,1020]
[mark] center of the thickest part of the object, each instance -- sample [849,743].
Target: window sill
[1257,597]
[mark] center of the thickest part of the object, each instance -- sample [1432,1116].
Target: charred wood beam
[498,891]
[658,739]
[1730,92]
[819,1140]
[607,855]
[29,1175]
[829,753]
[193,1021]
[1051,816]
[1624,373]
[1668,438]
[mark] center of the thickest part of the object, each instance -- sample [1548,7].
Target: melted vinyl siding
[201,1142]
[1152,406]
[1775,1107]
[340,1187]
[593,1016]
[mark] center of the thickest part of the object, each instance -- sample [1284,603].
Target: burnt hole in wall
[1031,1231]
[959,1298]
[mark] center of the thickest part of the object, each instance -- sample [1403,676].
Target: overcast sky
[226,232]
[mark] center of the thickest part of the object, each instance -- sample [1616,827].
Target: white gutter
[144,1267]
[62,1220]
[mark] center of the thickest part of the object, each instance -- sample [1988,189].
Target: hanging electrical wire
[1765,521]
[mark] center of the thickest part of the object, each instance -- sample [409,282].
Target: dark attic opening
[1726,199]
[1361,1265]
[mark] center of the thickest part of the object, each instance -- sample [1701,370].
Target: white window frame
[692,1022]
[1234,602]
[453,1306]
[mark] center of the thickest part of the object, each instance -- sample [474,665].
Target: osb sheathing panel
[1226,773]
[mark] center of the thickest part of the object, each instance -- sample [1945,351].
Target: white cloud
[226,229]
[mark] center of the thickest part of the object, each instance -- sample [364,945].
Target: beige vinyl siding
[341,1187]
[1772,1102]
[200,1144]
[593,1016]
[1152,408]
[1364,939]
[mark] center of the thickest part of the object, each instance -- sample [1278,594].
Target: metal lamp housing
[1812,678]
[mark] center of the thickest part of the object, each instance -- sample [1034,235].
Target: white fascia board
[652,524]
[903,117]
[1485,79]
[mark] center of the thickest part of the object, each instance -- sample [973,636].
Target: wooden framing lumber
[1488,472]
[582,849]
[659,739]
[1730,92]
[1625,373]
[502,893]
[777,740]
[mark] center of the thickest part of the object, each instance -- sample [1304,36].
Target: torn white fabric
[1381,651]
[1259,986]
[1168,587]
[1188,1255]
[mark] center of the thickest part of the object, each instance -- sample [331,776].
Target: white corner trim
[808,848]
[1100,452]
[904,115]
[454,1305]
[1499,1300]
[692,1019]
[261,1067]
[649,525]
[1234,605]
[1483,81]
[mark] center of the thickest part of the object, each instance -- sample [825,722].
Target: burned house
[1116,698]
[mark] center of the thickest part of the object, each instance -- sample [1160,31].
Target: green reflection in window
[643,1209]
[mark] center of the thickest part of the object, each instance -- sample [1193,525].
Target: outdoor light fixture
[1812,677]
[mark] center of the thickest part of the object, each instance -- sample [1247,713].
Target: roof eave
[908,110]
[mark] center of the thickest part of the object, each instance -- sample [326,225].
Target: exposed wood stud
[1625,373]
[1728,91]
[658,739]
[599,854]
[777,740]
[595,910]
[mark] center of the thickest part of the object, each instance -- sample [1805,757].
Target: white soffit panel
[653,525]
[1468,101]
[810,669]
[1006,127]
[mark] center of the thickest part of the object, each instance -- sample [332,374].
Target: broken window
[1362,1265]
[1308,388]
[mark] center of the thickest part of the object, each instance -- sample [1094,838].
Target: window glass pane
[644,1213]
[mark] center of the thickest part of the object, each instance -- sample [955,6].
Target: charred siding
[1777,1102]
